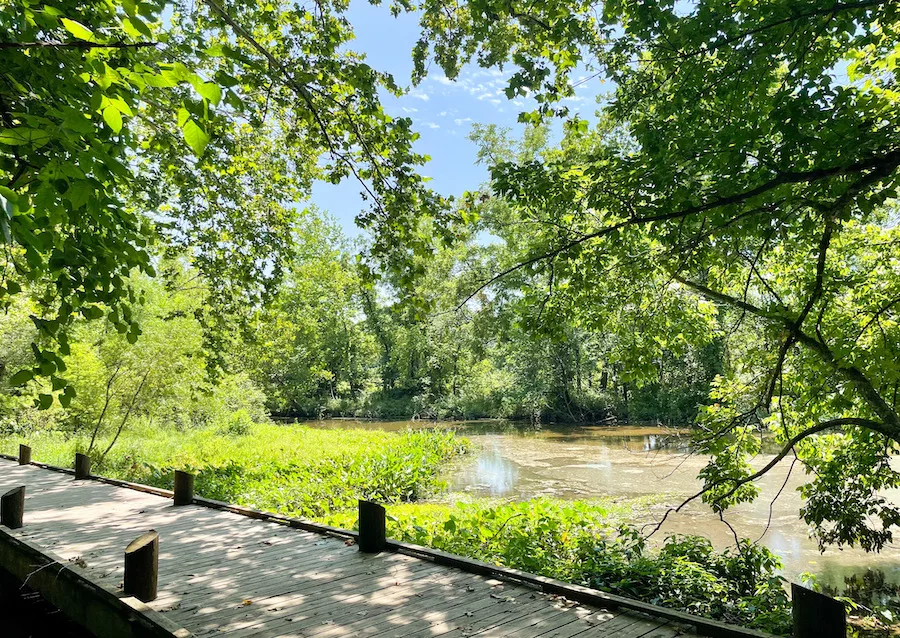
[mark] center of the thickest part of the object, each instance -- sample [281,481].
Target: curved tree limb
[785,450]
[880,164]
[890,425]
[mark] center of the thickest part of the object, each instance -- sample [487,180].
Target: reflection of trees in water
[869,589]
[675,442]
[499,427]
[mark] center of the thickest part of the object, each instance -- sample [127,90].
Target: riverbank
[564,502]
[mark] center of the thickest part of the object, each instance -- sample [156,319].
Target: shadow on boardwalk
[224,574]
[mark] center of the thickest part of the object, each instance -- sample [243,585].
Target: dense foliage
[745,163]
[723,235]
[289,469]
[331,344]
[193,127]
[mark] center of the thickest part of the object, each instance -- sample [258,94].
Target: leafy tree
[743,172]
[311,348]
[161,378]
[132,122]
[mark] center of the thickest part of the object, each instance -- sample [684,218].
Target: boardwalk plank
[404,604]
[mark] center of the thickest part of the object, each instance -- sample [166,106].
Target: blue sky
[442,111]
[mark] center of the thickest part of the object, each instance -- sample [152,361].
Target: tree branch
[301,90]
[891,422]
[881,164]
[788,447]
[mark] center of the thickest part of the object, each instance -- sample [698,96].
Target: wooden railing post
[82,466]
[12,507]
[184,488]
[817,615]
[372,527]
[141,566]
[24,454]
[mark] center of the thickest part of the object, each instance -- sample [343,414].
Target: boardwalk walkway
[223,574]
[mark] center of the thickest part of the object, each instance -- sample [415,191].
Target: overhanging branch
[788,447]
[880,164]
[890,420]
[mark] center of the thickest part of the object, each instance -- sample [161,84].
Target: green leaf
[210,91]
[7,211]
[135,27]
[121,105]
[195,137]
[45,401]
[78,30]
[79,193]
[92,312]
[183,116]
[159,80]
[113,118]
[21,135]
[21,378]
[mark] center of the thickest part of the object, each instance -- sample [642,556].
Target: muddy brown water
[517,462]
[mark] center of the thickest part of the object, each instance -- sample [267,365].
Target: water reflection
[870,588]
[515,461]
[491,474]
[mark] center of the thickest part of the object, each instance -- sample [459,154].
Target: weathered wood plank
[301,615]
[490,618]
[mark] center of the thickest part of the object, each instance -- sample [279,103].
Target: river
[517,462]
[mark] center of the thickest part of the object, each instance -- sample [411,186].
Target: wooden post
[24,454]
[184,488]
[372,530]
[141,566]
[82,466]
[817,615]
[12,507]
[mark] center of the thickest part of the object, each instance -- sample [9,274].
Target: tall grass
[292,469]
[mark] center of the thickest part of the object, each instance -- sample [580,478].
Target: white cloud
[419,95]
[481,84]
[462,120]
[432,125]
[409,109]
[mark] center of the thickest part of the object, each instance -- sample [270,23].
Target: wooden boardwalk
[222,573]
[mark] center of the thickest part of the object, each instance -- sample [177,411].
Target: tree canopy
[742,177]
[739,185]
[131,128]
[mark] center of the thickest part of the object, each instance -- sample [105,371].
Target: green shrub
[237,423]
